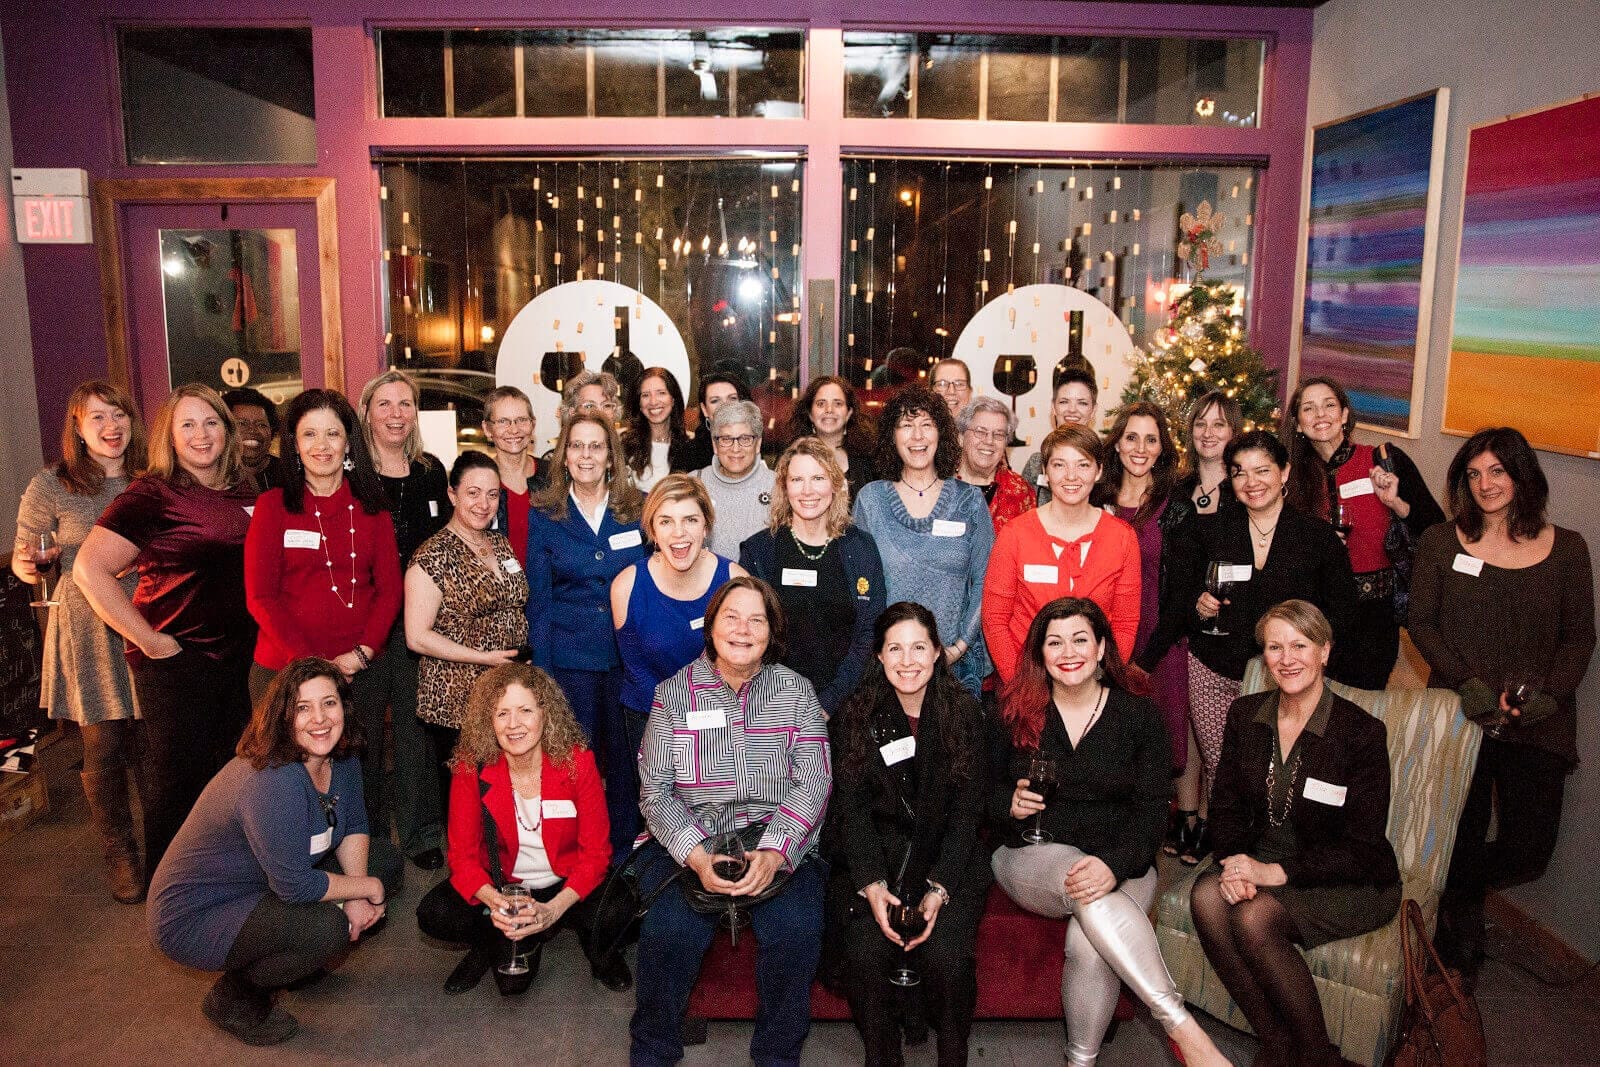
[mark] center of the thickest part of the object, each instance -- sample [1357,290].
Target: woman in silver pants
[1087,853]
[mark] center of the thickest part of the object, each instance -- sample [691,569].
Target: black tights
[1251,946]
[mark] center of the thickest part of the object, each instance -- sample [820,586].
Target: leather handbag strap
[1416,971]
[491,835]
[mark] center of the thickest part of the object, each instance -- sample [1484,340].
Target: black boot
[246,1011]
[107,793]
[469,972]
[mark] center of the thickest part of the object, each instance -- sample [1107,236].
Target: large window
[715,243]
[927,243]
[1139,80]
[642,73]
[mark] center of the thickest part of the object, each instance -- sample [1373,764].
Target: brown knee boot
[107,792]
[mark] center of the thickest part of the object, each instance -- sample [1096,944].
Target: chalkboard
[20,652]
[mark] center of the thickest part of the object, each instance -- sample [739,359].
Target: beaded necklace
[316,510]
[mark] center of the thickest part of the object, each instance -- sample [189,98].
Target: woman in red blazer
[526,806]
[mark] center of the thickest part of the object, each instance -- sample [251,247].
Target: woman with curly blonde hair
[526,807]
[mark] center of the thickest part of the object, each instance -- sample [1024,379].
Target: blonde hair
[164,457]
[670,490]
[838,514]
[478,746]
[413,441]
[1304,616]
[624,495]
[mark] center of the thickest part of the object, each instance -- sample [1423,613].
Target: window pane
[1019,79]
[554,76]
[625,76]
[483,68]
[196,95]
[947,78]
[1194,83]
[413,73]
[877,74]
[769,74]
[1087,86]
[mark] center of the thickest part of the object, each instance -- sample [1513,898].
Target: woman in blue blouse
[273,873]
[932,531]
[582,531]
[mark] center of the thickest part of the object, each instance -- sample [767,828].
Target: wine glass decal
[1219,583]
[1015,376]
[45,554]
[1042,780]
[518,898]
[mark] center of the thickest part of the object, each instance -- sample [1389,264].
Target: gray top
[85,674]
[742,506]
[1032,471]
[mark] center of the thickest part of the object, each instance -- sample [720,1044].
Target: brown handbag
[1441,1026]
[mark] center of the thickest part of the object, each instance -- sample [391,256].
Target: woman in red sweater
[1067,547]
[321,570]
[526,806]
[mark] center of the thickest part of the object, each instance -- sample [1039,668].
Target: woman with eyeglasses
[274,873]
[986,426]
[509,424]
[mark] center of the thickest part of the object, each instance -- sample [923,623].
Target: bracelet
[944,894]
[362,656]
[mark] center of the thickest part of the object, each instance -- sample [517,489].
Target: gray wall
[1497,58]
[19,412]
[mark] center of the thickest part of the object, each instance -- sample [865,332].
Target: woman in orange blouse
[1068,547]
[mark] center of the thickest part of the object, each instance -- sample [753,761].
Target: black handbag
[1401,549]
[619,906]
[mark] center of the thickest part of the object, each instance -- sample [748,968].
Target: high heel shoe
[1182,820]
[1197,844]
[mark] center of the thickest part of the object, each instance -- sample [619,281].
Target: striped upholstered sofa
[1432,751]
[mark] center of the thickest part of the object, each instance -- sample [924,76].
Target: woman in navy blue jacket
[827,572]
[583,530]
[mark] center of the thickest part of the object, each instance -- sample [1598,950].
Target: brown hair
[1525,515]
[625,499]
[670,490]
[917,400]
[1308,473]
[164,457]
[1303,615]
[1073,435]
[777,627]
[1163,472]
[78,471]
[269,739]
[782,514]
[1024,701]
[858,437]
[562,736]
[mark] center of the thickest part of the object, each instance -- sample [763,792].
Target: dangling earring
[349,464]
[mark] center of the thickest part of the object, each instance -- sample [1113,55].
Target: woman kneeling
[241,892]
[528,834]
[1298,816]
[1078,736]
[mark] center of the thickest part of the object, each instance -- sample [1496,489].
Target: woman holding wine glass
[1363,492]
[902,837]
[529,839]
[1073,724]
[1233,566]
[827,411]
[85,677]
[1501,560]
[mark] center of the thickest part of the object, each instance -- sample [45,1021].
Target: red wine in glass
[730,861]
[1517,689]
[907,921]
[45,553]
[1341,518]
[1042,780]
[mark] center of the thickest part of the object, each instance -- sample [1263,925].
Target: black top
[1307,561]
[1341,802]
[877,809]
[821,616]
[274,474]
[1112,798]
[690,454]
[860,473]
[419,504]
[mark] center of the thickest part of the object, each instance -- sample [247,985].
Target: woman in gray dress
[85,675]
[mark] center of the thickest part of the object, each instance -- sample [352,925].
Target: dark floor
[79,982]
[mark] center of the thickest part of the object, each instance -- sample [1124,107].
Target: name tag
[1359,487]
[898,751]
[558,809]
[433,508]
[302,539]
[250,510]
[1041,573]
[698,624]
[1042,480]
[511,565]
[1467,564]
[796,576]
[707,719]
[1236,572]
[322,842]
[948,528]
[629,539]
[1325,792]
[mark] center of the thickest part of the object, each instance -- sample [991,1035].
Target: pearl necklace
[316,509]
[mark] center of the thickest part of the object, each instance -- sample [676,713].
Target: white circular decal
[594,325]
[1030,330]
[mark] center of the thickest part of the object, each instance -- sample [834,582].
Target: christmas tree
[1203,345]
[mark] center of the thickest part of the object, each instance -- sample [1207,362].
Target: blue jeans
[673,941]
[596,699]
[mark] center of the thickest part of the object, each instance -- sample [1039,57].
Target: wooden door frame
[112,195]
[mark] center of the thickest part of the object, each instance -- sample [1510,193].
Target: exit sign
[52,220]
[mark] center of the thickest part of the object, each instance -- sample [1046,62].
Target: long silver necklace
[322,535]
[1275,818]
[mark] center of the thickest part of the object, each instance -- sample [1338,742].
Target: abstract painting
[1526,344]
[1370,244]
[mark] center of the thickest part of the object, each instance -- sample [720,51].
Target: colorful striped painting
[1371,239]
[1526,346]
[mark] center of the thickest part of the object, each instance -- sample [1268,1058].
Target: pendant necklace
[1263,537]
[907,483]
[1203,501]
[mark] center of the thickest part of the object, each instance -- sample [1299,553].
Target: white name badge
[1325,792]
[558,809]
[949,528]
[1467,564]
[322,842]
[511,565]
[698,624]
[1041,573]
[898,751]
[302,539]
[797,576]
[1359,487]
[707,719]
[1042,480]
[250,510]
[627,539]
[433,508]
[1235,572]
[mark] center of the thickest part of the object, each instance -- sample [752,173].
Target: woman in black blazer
[1298,817]
[903,826]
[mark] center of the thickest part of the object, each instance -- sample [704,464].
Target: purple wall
[73,121]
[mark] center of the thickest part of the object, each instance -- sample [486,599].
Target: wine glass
[1341,518]
[518,898]
[45,553]
[729,860]
[1219,582]
[1041,780]
[906,919]
[1518,688]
